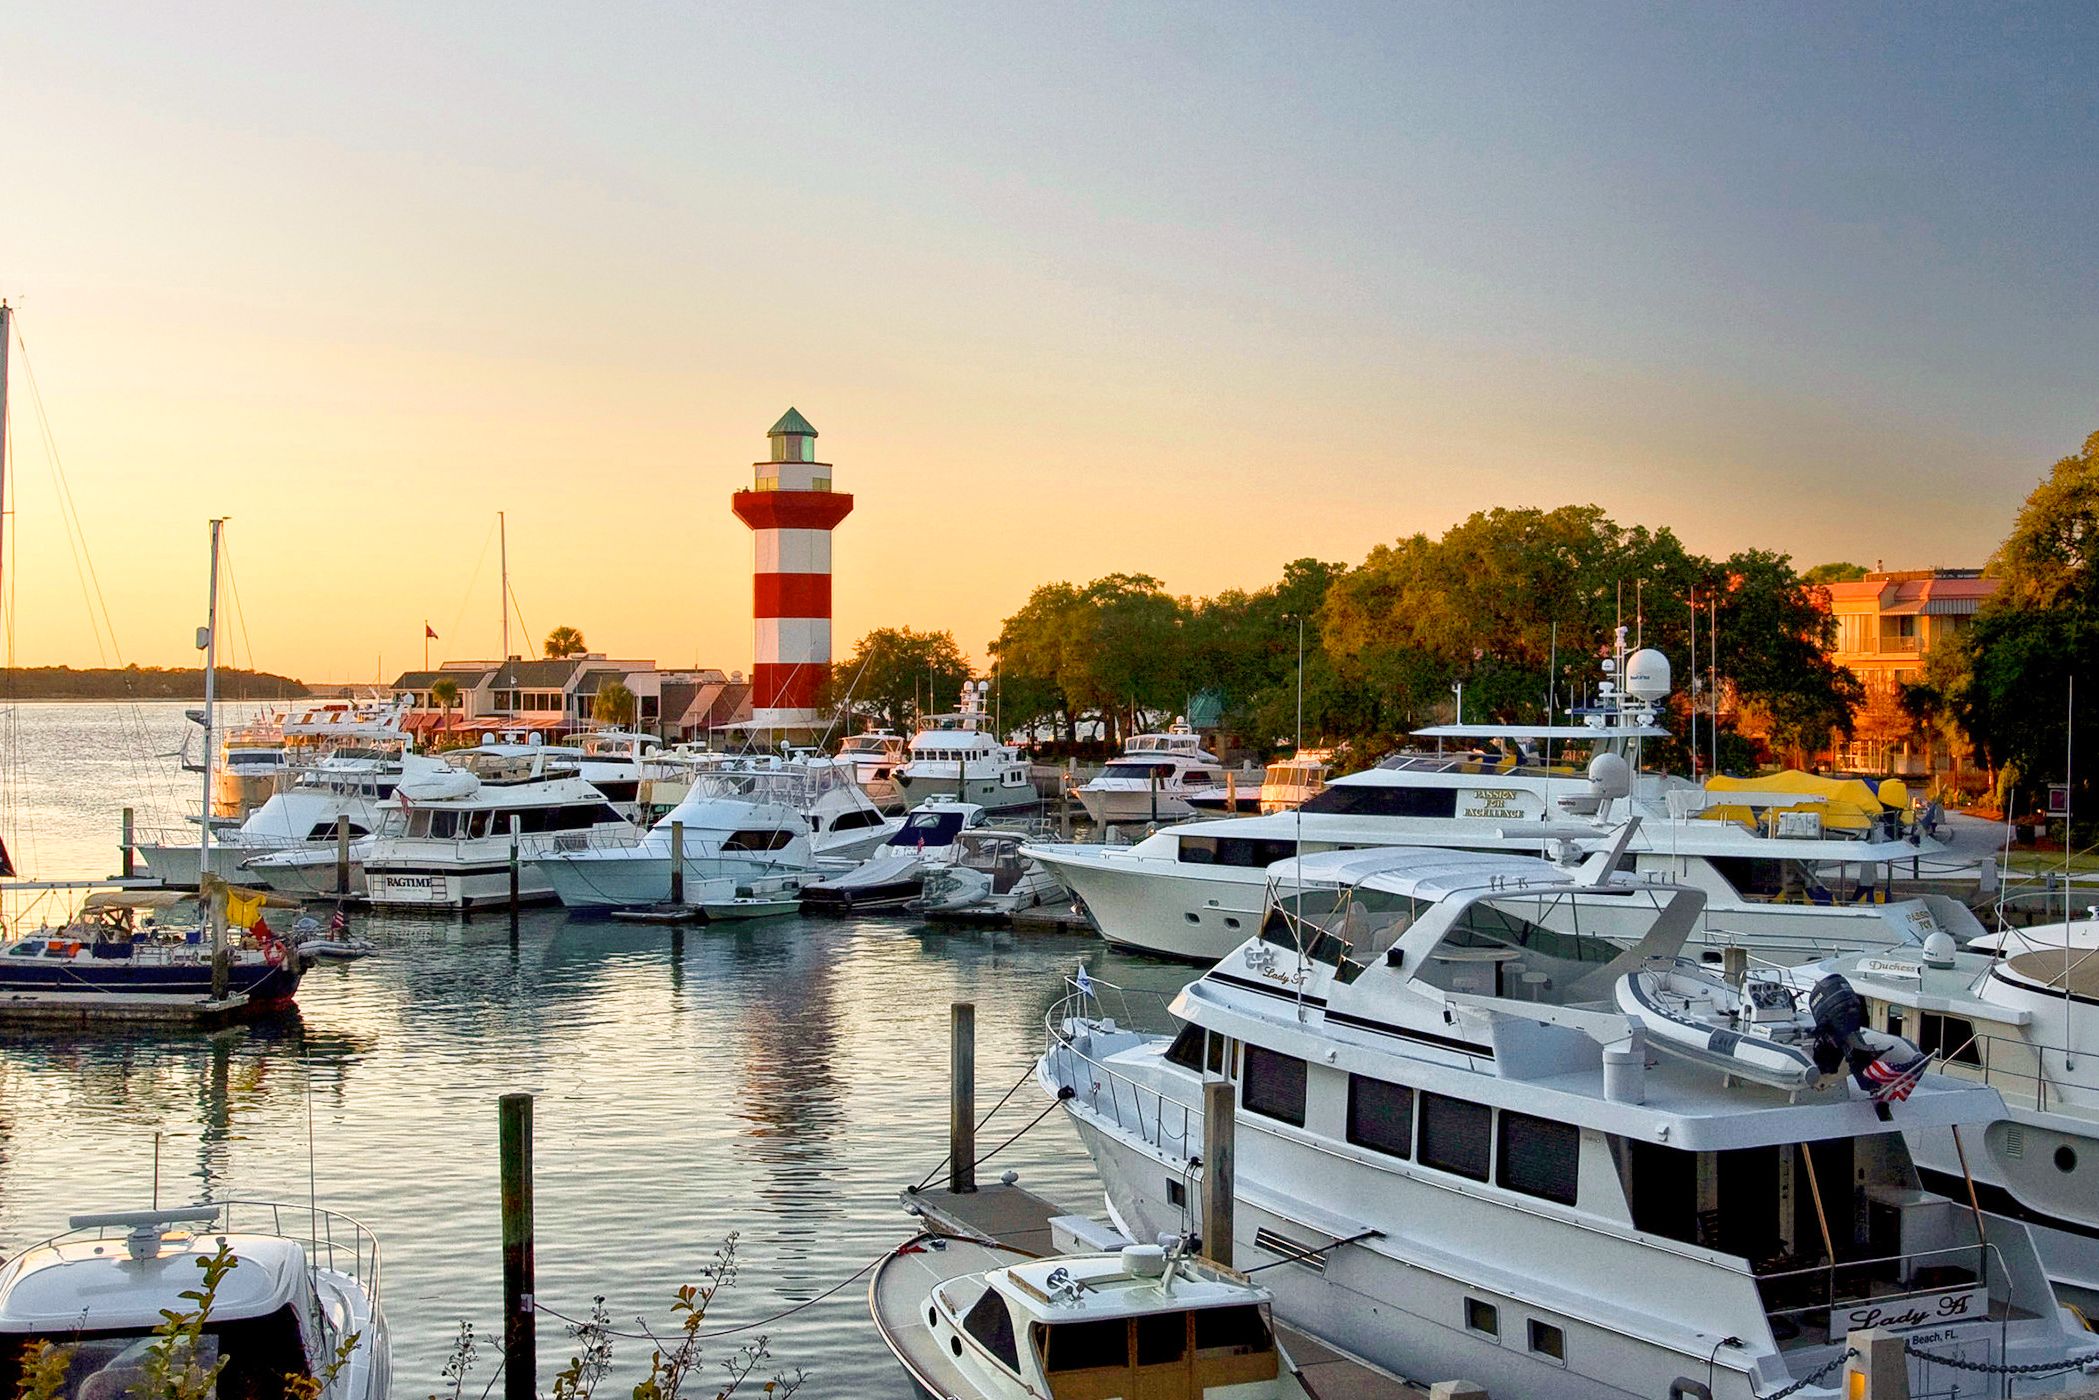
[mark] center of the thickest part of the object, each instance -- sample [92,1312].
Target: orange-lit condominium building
[791,510]
[1886,623]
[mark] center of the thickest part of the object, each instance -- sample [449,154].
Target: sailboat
[132,954]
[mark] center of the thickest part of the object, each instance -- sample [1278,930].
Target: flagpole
[426,644]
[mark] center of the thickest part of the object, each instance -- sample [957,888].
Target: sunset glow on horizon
[1188,293]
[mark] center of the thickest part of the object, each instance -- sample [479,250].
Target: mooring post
[209,898]
[1064,803]
[962,1097]
[513,867]
[342,857]
[1881,1370]
[1155,794]
[1218,1170]
[520,1332]
[128,866]
[677,862]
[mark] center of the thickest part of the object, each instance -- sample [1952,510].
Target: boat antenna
[1694,680]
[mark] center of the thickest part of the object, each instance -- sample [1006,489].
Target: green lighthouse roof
[791,424]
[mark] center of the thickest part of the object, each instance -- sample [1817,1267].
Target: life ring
[273,953]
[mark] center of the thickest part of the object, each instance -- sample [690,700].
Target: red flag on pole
[429,632]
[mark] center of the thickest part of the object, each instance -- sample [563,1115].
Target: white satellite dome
[1647,675]
[1610,776]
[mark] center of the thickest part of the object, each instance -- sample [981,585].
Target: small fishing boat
[986,874]
[972,1319]
[895,875]
[301,1296]
[752,906]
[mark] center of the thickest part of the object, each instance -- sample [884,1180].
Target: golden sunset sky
[1187,291]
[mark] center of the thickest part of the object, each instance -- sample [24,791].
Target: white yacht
[1463,1158]
[958,756]
[350,788]
[1283,786]
[978,1320]
[1788,890]
[302,1293]
[728,828]
[1152,779]
[876,754]
[446,841]
[2027,1024]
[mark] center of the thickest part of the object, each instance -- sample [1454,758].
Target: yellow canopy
[1845,804]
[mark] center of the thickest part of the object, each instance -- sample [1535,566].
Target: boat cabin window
[1381,1115]
[1539,1157]
[259,1352]
[1456,1136]
[991,1323]
[770,840]
[1951,1038]
[325,831]
[928,829]
[1162,1338]
[856,819]
[1085,1346]
[1274,1085]
[573,818]
[1187,1049]
[1176,1355]
[1378,800]
[1242,852]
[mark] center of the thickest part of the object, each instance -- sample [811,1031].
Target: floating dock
[91,1008]
[1016,1216]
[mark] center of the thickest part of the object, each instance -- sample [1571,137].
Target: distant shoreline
[142,683]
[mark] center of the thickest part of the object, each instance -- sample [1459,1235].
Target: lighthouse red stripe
[779,685]
[791,510]
[791,595]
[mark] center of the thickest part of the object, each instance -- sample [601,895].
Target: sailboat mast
[7,335]
[503,547]
[211,698]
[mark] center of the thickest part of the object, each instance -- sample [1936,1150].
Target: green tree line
[143,683]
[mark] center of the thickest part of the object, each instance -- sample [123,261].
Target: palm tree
[445,691]
[564,642]
[613,705]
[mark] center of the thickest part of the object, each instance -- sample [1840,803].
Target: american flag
[339,923]
[1889,1080]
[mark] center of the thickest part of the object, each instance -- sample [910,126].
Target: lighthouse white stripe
[792,551]
[792,639]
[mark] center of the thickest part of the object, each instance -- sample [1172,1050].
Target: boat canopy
[1521,732]
[1845,804]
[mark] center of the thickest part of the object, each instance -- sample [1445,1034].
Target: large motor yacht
[1778,879]
[958,756]
[347,789]
[300,1302]
[1285,785]
[1458,1154]
[1152,779]
[2025,1022]
[446,842]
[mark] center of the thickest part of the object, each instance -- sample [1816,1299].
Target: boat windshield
[928,829]
[1171,1355]
[258,1352]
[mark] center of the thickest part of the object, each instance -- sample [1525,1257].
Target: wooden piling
[129,866]
[677,862]
[1218,1170]
[342,857]
[1155,794]
[211,902]
[520,1332]
[962,1097]
[513,866]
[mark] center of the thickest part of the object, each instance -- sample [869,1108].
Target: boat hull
[461,887]
[264,984]
[586,881]
[1124,806]
[988,793]
[177,866]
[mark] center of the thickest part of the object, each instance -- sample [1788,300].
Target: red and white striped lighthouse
[791,510]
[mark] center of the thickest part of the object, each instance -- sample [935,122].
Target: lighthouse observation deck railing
[1087,1016]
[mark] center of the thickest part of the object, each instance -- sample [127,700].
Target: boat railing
[1136,1108]
[332,1240]
[1803,1303]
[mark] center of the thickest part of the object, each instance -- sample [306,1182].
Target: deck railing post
[1218,1170]
[520,1339]
[962,1098]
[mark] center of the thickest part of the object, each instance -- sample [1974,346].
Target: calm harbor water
[780,1080]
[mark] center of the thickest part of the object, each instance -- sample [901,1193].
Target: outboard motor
[1887,1067]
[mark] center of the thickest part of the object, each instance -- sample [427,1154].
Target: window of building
[991,1323]
[1275,1085]
[1539,1157]
[1482,1317]
[1548,1340]
[1381,1115]
[1456,1136]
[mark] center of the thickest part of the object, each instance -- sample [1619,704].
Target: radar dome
[1938,949]
[1647,674]
[1610,775]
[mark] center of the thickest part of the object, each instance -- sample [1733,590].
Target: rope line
[1025,1076]
[780,1316]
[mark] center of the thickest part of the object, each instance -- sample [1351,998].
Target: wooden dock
[1016,1216]
[1043,918]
